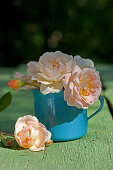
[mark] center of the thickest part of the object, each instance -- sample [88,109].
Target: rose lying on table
[29,133]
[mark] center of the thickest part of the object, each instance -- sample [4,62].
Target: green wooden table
[92,152]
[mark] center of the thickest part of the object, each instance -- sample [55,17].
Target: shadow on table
[15,146]
[8,127]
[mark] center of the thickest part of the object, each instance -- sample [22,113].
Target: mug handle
[100,108]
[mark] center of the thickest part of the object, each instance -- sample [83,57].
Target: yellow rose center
[55,66]
[84,92]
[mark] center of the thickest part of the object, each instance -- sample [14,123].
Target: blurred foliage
[30,28]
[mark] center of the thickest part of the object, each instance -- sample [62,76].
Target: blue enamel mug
[63,121]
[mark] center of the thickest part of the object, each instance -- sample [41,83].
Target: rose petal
[66,79]
[31,63]
[83,63]
[35,149]
[52,88]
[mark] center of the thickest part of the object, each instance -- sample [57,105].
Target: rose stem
[6,134]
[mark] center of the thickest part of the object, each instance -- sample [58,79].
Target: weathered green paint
[92,152]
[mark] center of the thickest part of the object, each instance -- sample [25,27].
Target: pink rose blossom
[50,71]
[29,133]
[82,87]
[47,74]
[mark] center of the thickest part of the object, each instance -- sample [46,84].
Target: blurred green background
[30,28]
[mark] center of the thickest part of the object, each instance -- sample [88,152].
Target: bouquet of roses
[54,72]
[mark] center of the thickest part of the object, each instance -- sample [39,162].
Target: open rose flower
[50,71]
[83,63]
[29,133]
[82,87]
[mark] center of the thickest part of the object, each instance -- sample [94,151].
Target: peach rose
[29,133]
[83,63]
[50,71]
[82,87]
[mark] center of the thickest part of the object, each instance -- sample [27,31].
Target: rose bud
[8,141]
[49,142]
[16,84]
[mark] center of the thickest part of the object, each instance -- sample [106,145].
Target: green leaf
[5,101]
